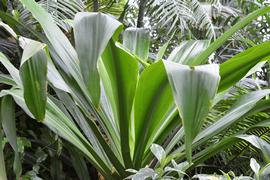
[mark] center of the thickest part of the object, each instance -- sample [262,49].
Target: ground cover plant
[128,114]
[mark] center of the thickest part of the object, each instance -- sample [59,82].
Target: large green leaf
[9,127]
[239,109]
[153,107]
[60,47]
[33,72]
[92,33]
[203,56]
[85,126]
[56,37]
[154,91]
[186,52]
[193,88]
[238,66]
[137,40]
[59,123]
[119,73]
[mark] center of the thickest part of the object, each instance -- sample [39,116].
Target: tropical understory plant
[107,100]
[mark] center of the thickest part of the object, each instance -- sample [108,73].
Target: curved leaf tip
[92,32]
[194,88]
[33,72]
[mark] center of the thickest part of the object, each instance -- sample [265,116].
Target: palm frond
[242,151]
[172,13]
[60,10]
[114,7]
[201,13]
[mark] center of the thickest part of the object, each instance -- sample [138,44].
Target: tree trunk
[95,5]
[142,5]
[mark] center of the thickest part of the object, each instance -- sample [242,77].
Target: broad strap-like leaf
[9,127]
[92,32]
[33,72]
[54,77]
[8,29]
[203,56]
[258,143]
[194,88]
[186,52]
[137,40]
[60,48]
[153,109]
[119,72]
[242,106]
[56,37]
[59,123]
[11,69]
[7,79]
[82,122]
[238,66]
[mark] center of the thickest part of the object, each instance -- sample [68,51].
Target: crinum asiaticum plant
[113,109]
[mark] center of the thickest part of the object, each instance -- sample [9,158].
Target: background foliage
[171,25]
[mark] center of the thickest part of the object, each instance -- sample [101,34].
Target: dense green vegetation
[138,90]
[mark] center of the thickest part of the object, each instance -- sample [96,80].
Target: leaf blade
[193,88]
[137,40]
[33,73]
[101,28]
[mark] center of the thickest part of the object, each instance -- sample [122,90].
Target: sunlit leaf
[186,52]
[92,33]
[194,89]
[119,75]
[137,40]
[33,72]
